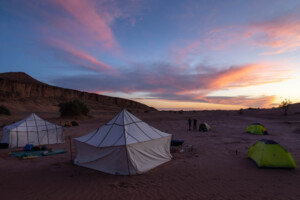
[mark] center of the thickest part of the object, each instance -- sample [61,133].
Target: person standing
[195,124]
[190,124]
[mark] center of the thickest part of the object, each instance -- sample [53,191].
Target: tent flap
[147,155]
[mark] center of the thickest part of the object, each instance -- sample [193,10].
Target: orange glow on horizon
[182,105]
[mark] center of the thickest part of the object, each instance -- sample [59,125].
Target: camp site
[92,157]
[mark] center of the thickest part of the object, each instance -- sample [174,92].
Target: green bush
[73,108]
[4,110]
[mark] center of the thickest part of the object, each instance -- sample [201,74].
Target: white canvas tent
[125,146]
[32,130]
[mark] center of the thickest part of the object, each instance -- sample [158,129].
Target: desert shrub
[285,104]
[4,110]
[73,108]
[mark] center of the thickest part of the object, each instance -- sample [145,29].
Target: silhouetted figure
[195,124]
[190,124]
[236,152]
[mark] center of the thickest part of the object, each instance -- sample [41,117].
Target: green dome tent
[257,129]
[204,127]
[267,153]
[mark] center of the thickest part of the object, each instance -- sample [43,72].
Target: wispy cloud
[94,18]
[80,57]
[276,35]
[248,75]
[80,32]
[281,34]
[190,86]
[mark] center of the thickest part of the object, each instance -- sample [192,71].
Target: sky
[171,54]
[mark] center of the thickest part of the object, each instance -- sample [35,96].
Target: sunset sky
[170,54]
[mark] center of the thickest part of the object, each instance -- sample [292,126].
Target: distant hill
[19,77]
[20,88]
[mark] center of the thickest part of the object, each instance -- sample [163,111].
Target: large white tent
[125,146]
[32,130]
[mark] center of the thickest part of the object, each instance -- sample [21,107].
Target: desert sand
[212,171]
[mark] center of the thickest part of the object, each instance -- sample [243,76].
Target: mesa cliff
[18,86]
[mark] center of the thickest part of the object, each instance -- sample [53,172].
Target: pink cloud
[279,35]
[98,24]
[201,84]
[195,87]
[233,77]
[73,26]
[247,75]
[81,57]
[216,39]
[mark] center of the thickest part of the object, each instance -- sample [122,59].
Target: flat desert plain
[217,168]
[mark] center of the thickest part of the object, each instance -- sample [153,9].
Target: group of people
[194,124]
[202,127]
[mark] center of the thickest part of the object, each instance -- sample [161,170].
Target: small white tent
[32,130]
[125,146]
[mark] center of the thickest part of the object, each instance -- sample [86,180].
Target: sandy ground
[212,171]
